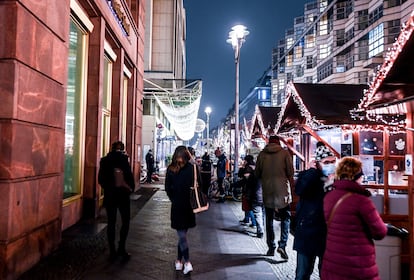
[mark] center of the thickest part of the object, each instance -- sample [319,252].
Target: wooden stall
[321,112]
[390,99]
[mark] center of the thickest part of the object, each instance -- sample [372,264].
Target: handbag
[198,200]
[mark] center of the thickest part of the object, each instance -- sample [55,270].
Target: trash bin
[388,253]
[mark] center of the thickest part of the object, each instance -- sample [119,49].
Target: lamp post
[208,112]
[237,36]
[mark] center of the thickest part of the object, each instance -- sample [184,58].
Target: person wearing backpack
[116,197]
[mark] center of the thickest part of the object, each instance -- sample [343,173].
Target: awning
[318,105]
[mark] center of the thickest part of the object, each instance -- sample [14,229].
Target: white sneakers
[187,267]
[178,265]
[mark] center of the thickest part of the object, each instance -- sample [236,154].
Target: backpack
[119,180]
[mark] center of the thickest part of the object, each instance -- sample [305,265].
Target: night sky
[211,59]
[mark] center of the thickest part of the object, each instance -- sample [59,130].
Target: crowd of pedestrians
[335,221]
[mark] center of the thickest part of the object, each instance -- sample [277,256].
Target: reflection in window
[74,110]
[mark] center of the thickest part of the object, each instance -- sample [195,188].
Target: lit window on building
[323,25]
[376,40]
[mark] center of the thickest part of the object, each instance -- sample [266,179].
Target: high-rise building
[337,41]
[171,102]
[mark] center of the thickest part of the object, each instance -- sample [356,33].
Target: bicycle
[231,190]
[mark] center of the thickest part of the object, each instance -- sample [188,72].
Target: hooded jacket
[274,169]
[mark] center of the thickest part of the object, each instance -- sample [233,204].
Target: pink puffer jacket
[350,250]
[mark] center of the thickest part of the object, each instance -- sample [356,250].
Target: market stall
[390,99]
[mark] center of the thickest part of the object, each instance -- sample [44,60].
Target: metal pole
[208,136]
[236,109]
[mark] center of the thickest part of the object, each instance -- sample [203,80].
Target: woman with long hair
[178,182]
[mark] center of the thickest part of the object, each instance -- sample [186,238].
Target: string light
[380,75]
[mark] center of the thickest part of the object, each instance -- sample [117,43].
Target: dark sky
[211,59]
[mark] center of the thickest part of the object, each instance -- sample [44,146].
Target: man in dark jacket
[221,173]
[149,160]
[116,197]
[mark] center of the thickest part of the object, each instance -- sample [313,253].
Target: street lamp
[208,112]
[237,36]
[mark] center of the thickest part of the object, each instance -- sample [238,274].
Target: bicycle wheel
[213,190]
[236,192]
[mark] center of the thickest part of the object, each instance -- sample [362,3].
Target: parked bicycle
[231,190]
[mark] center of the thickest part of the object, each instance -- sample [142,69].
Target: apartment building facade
[337,41]
[71,83]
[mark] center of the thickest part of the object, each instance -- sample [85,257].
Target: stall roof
[319,104]
[394,81]
[264,121]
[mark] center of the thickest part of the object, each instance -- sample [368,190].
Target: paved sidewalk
[220,248]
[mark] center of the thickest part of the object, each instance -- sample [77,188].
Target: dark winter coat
[106,178]
[310,231]
[274,169]
[252,188]
[350,250]
[221,166]
[177,186]
[149,160]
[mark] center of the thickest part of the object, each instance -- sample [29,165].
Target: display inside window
[371,143]
[396,173]
[373,170]
[398,144]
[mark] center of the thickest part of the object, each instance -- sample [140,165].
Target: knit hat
[322,151]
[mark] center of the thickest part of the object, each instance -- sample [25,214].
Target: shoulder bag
[336,206]
[198,200]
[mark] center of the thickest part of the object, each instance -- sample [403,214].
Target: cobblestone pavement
[220,248]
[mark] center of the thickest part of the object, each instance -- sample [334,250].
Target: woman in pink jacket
[353,223]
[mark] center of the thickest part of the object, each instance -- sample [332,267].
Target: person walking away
[310,230]
[274,169]
[116,198]
[244,173]
[149,160]
[205,172]
[221,173]
[353,223]
[254,195]
[178,182]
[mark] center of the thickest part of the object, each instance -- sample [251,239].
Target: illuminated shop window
[75,110]
[106,106]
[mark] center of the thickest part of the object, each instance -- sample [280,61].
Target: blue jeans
[182,247]
[258,215]
[284,227]
[304,266]
[248,216]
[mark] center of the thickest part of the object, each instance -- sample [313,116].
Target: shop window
[371,143]
[106,106]
[397,144]
[75,109]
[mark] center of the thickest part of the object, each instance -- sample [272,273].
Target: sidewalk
[220,248]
